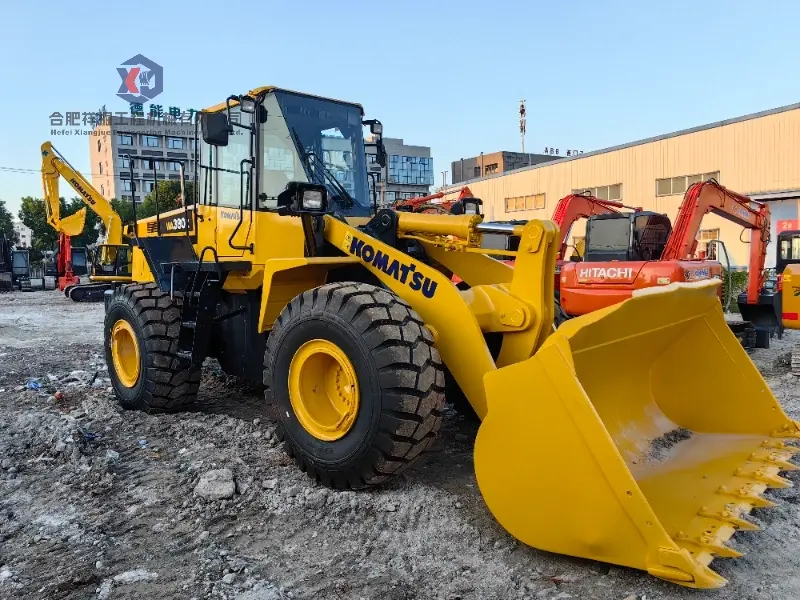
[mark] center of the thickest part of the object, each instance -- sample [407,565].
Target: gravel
[204,508]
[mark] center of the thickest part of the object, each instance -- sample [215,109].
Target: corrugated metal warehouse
[757,155]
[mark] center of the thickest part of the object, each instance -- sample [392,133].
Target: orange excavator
[629,251]
[452,205]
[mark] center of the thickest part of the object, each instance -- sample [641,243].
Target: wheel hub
[125,353]
[323,390]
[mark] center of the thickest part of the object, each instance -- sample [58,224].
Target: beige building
[149,143]
[757,155]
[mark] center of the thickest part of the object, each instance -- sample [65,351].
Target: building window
[148,164]
[175,143]
[477,172]
[148,186]
[101,167]
[489,169]
[704,237]
[173,166]
[98,145]
[126,185]
[123,162]
[603,192]
[410,170]
[102,190]
[151,141]
[678,185]
[124,140]
[532,202]
[390,197]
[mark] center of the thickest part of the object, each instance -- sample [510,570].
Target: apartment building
[150,149]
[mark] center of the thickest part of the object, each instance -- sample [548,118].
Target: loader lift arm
[711,197]
[54,165]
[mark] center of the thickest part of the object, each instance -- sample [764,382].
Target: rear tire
[165,382]
[399,377]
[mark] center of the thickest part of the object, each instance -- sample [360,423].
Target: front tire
[354,383]
[141,343]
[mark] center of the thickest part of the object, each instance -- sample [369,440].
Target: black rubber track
[170,383]
[401,383]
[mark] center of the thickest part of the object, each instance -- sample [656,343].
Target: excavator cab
[788,250]
[636,236]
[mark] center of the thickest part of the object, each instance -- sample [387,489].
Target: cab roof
[267,89]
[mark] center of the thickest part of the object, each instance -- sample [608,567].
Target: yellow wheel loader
[598,439]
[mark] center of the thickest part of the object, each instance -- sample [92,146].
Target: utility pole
[522,123]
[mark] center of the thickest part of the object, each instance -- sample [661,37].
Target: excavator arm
[420,203]
[54,165]
[711,197]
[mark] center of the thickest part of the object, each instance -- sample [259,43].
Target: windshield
[328,137]
[610,235]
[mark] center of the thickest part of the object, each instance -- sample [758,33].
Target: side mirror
[215,128]
[375,126]
[300,198]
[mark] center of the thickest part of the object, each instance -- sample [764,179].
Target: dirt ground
[100,503]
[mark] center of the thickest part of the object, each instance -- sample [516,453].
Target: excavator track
[87,292]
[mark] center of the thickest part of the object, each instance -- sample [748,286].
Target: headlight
[312,199]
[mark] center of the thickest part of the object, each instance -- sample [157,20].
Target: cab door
[233,177]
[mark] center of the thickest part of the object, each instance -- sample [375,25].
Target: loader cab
[636,236]
[253,146]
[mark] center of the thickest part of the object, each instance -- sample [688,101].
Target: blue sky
[446,74]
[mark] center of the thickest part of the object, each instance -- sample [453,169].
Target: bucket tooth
[781,445]
[765,475]
[730,518]
[708,543]
[775,456]
[721,550]
[747,494]
[789,430]
[784,465]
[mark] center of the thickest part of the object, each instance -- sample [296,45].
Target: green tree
[32,213]
[124,209]
[169,193]
[7,223]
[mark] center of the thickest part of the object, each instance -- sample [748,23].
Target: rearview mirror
[375,126]
[215,128]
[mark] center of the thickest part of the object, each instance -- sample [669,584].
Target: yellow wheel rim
[125,353]
[323,390]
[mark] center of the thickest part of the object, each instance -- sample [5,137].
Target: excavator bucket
[640,435]
[73,224]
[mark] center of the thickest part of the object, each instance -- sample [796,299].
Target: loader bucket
[639,435]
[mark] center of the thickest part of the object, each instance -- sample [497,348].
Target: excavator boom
[711,197]
[54,165]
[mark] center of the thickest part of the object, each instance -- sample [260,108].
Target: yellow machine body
[598,439]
